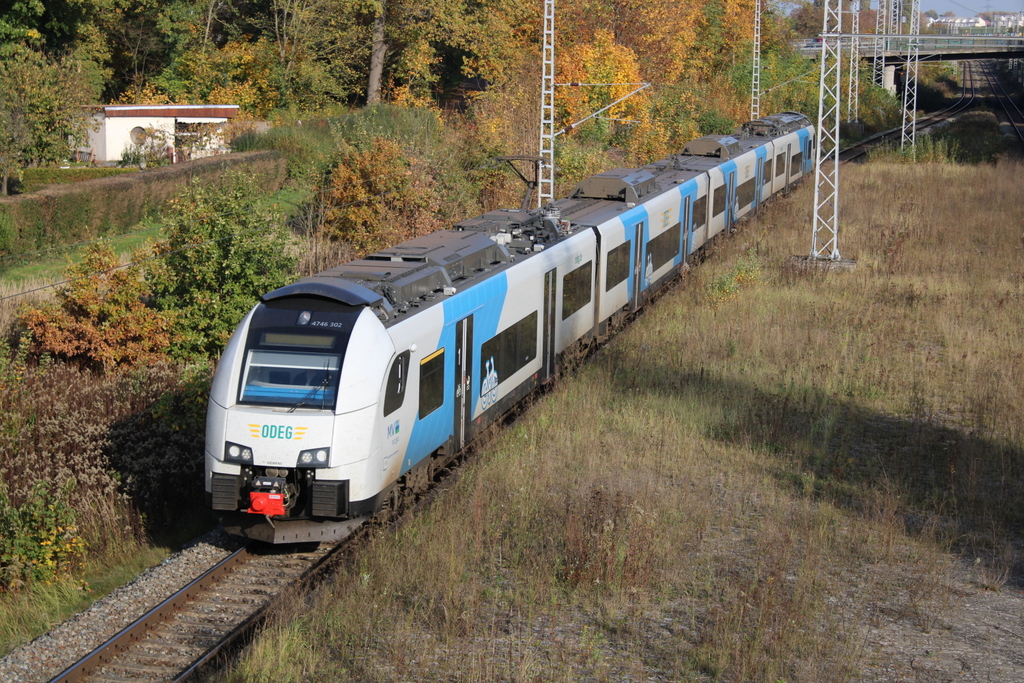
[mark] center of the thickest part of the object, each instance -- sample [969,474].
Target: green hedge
[35,179]
[71,213]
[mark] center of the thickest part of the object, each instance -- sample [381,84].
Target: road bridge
[933,48]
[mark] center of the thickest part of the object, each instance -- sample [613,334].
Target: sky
[968,8]
[962,8]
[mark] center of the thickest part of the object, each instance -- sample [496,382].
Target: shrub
[39,539]
[726,286]
[158,451]
[99,318]
[380,197]
[222,252]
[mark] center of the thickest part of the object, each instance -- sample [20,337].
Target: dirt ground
[966,631]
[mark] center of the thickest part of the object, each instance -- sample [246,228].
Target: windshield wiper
[312,392]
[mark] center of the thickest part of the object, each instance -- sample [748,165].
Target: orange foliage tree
[99,317]
[379,197]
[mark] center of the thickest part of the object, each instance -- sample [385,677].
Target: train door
[731,203]
[684,220]
[463,380]
[638,263]
[789,164]
[758,182]
[548,340]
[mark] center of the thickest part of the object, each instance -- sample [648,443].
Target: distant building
[956,24]
[179,131]
[1008,22]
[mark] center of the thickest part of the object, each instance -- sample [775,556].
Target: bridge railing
[900,44]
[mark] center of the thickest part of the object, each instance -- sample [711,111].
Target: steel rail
[1016,117]
[860,148]
[132,633]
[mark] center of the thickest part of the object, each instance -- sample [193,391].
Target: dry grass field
[774,475]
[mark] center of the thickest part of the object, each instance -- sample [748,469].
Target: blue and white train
[341,393]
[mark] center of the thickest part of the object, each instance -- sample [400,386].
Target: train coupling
[268,496]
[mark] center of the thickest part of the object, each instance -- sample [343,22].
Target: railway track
[172,641]
[1014,115]
[969,96]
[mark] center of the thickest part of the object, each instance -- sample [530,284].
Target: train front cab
[295,422]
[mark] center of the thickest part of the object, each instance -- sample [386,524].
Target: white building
[1008,21]
[958,23]
[178,130]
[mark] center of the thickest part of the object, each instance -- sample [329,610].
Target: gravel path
[51,653]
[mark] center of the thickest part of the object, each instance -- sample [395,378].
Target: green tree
[41,100]
[222,252]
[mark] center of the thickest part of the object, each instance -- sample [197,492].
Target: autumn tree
[99,317]
[380,196]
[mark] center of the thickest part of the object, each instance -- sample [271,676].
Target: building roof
[219,111]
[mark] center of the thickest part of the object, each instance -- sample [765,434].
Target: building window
[509,351]
[664,247]
[576,289]
[618,266]
[431,383]
[394,391]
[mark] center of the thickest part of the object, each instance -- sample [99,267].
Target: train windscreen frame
[294,354]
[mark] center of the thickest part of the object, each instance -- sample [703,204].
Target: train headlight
[234,452]
[316,457]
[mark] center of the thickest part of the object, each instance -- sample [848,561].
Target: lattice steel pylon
[896,17]
[825,238]
[881,29]
[909,137]
[755,81]
[546,169]
[853,93]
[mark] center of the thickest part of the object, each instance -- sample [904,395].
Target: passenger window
[431,383]
[780,164]
[618,266]
[576,289]
[719,201]
[700,212]
[394,392]
[767,177]
[745,193]
[509,351]
[664,247]
[798,160]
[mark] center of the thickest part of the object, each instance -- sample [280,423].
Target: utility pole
[909,137]
[755,81]
[825,238]
[853,94]
[546,167]
[881,29]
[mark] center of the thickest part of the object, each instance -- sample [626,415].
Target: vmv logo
[489,385]
[277,432]
[393,429]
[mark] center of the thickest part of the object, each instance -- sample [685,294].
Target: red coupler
[263,503]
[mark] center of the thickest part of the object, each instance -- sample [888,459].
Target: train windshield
[291,378]
[294,355]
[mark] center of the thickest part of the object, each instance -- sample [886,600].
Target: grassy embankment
[766,462]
